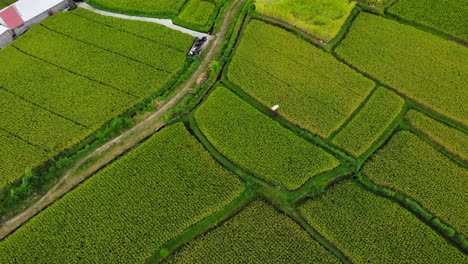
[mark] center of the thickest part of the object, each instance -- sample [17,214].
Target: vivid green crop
[372,229]
[147,30]
[198,12]
[445,15]
[60,91]
[413,167]
[56,88]
[424,67]
[129,209]
[370,122]
[259,144]
[322,18]
[258,234]
[121,72]
[166,58]
[450,138]
[15,157]
[313,89]
[36,126]
[154,8]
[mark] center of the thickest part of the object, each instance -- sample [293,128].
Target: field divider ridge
[204,226]
[449,233]
[75,73]
[45,109]
[105,49]
[440,148]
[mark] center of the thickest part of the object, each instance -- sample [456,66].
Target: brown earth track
[119,145]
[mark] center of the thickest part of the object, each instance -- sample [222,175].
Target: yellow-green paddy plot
[129,209]
[413,167]
[313,89]
[76,71]
[322,18]
[16,156]
[429,69]
[195,14]
[258,234]
[198,12]
[372,229]
[370,122]
[450,138]
[259,144]
[447,16]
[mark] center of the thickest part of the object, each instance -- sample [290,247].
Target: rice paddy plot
[372,229]
[433,72]
[313,89]
[130,208]
[259,144]
[413,167]
[245,239]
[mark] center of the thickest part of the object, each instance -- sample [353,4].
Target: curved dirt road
[112,149]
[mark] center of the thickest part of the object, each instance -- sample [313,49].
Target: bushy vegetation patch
[313,89]
[129,209]
[259,144]
[258,234]
[370,122]
[422,66]
[372,229]
[321,18]
[413,167]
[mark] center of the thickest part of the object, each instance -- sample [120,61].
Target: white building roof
[3,29]
[29,9]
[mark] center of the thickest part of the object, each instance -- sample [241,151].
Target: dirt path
[88,165]
[164,22]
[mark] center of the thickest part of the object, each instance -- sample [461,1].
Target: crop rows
[258,234]
[370,122]
[150,31]
[452,139]
[77,71]
[372,229]
[259,144]
[313,89]
[320,18]
[195,14]
[413,167]
[198,12]
[129,209]
[445,16]
[162,57]
[36,125]
[434,72]
[59,91]
[120,72]
[15,157]
[141,7]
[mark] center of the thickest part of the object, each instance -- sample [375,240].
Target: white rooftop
[3,29]
[29,9]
